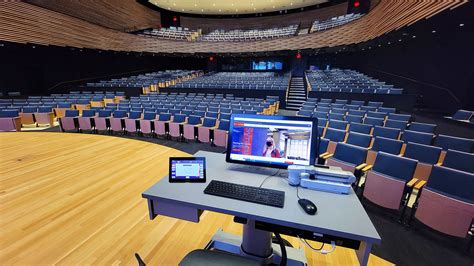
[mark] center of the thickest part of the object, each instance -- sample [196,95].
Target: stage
[74,199]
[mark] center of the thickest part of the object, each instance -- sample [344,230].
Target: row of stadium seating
[160,78]
[390,172]
[171,33]
[249,35]
[346,80]
[238,80]
[334,22]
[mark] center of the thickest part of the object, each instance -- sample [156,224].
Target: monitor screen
[187,169]
[267,65]
[276,141]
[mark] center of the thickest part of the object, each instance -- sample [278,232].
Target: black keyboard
[263,196]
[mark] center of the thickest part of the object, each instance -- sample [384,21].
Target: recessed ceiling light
[399,40]
[195,4]
[220,10]
[291,3]
[433,31]
[202,10]
[273,6]
[461,25]
[169,8]
[214,4]
[252,4]
[414,36]
[182,9]
[174,4]
[389,43]
[232,4]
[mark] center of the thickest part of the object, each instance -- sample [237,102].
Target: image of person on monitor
[270,150]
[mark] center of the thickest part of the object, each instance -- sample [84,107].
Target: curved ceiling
[232,7]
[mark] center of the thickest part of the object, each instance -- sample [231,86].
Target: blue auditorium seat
[459,160]
[417,137]
[386,132]
[359,139]
[422,127]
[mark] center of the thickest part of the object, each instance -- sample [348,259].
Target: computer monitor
[273,141]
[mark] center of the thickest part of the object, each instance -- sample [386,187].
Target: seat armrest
[367,168]
[327,156]
[323,154]
[412,182]
[359,167]
[439,164]
[420,184]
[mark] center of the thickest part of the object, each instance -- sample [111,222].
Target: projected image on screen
[267,65]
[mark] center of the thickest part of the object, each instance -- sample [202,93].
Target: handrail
[421,82]
[99,77]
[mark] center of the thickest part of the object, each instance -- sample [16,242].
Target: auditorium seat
[68,121]
[175,125]
[462,115]
[354,118]
[60,110]
[45,116]
[160,123]
[374,121]
[85,120]
[101,121]
[27,115]
[146,126]
[427,156]
[208,124]
[390,181]
[221,133]
[190,126]
[422,127]
[334,136]
[116,121]
[446,202]
[10,120]
[131,121]
[338,124]
[399,117]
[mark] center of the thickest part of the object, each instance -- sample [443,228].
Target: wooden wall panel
[304,18]
[25,23]
[123,15]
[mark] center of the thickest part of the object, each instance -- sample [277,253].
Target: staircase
[296,94]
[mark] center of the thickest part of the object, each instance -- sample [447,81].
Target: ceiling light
[389,43]
[174,4]
[413,36]
[195,4]
[291,3]
[273,6]
[220,10]
[433,31]
[399,40]
[232,4]
[214,4]
[461,25]
[202,10]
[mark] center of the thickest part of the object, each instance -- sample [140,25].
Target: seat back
[359,139]
[120,114]
[373,121]
[335,135]
[194,120]
[338,124]
[29,110]
[452,183]
[179,118]
[71,113]
[402,125]
[387,145]
[462,115]
[348,153]
[422,127]
[395,166]
[417,137]
[135,115]
[399,117]
[164,117]
[454,143]
[209,122]
[105,113]
[360,128]
[386,132]
[354,118]
[422,153]
[224,124]
[149,116]
[88,113]
[459,160]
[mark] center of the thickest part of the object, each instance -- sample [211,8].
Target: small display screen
[187,169]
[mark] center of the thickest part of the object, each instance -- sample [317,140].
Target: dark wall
[439,65]
[36,70]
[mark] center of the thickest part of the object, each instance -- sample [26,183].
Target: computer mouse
[308,206]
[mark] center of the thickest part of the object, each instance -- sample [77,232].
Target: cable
[283,249]
[320,250]
[297,192]
[264,180]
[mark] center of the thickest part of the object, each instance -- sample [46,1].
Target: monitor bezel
[314,143]
[200,180]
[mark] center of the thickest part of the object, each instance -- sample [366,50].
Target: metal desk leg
[363,252]
[255,244]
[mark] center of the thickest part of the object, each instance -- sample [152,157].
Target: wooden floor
[76,199]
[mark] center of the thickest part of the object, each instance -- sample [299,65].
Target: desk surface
[338,215]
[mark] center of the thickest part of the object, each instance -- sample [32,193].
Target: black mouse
[308,206]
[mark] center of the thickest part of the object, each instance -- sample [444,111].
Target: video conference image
[262,141]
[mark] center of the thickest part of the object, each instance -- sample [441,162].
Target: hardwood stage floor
[75,199]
